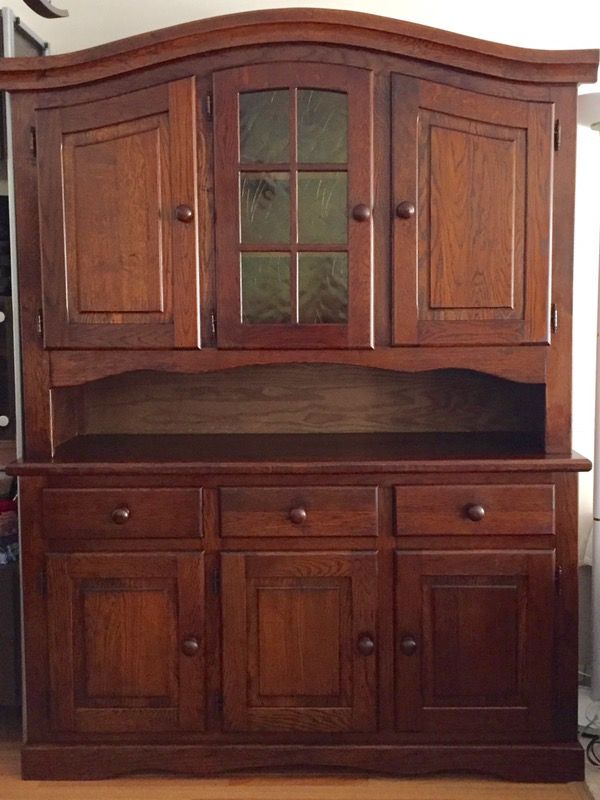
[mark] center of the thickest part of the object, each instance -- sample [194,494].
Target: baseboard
[552,762]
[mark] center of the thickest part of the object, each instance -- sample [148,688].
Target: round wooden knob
[184,213]
[475,512]
[120,515]
[298,515]
[405,210]
[361,213]
[189,647]
[408,645]
[365,645]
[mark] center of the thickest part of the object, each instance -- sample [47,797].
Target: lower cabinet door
[299,641]
[126,642]
[474,641]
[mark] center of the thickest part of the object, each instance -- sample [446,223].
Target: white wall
[527,23]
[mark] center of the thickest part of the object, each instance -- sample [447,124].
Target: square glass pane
[322,207]
[322,288]
[322,126]
[266,296]
[265,207]
[265,126]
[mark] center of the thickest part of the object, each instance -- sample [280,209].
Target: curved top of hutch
[299,25]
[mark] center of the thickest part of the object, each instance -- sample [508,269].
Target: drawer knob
[190,647]
[366,645]
[408,645]
[361,213]
[120,515]
[298,515]
[405,210]
[475,512]
[184,213]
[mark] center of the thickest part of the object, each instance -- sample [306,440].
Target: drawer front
[122,513]
[304,511]
[475,510]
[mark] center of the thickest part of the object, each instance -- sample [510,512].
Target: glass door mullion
[294,201]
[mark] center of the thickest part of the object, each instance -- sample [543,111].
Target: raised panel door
[299,641]
[294,204]
[474,641]
[472,188]
[117,182]
[126,637]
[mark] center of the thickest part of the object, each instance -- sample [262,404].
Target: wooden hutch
[298,488]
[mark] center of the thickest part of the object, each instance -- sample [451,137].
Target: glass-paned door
[293,146]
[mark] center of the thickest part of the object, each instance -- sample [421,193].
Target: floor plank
[274,787]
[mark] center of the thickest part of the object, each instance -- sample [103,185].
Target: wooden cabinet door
[118,208]
[474,641]
[472,189]
[299,641]
[293,193]
[126,642]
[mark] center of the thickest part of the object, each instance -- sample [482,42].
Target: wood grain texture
[287,665]
[154,513]
[327,511]
[108,251]
[483,623]
[508,510]
[290,25]
[481,168]
[524,364]
[309,399]
[116,624]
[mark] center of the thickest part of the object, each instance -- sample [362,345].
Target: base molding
[551,762]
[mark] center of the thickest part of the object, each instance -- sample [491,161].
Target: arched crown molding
[299,25]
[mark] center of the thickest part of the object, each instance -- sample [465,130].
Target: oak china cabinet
[298,488]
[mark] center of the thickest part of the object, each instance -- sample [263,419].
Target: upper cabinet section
[117,184]
[472,184]
[293,193]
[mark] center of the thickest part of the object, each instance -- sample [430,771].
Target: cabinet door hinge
[39,323]
[215,581]
[217,703]
[208,105]
[557,134]
[42,582]
[554,318]
[213,322]
[33,142]
[558,573]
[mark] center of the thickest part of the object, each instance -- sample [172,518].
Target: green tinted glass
[265,280]
[265,207]
[265,126]
[322,207]
[322,288]
[322,126]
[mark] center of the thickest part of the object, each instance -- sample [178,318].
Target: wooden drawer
[122,513]
[475,510]
[305,511]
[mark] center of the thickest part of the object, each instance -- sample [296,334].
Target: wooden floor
[268,787]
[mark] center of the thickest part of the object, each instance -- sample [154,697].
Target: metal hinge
[42,582]
[213,322]
[33,142]
[217,703]
[39,323]
[558,573]
[208,105]
[215,581]
[557,134]
[554,318]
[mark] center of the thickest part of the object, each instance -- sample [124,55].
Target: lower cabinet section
[299,641]
[126,639]
[474,641]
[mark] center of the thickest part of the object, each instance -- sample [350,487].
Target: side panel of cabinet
[474,641]
[119,268]
[299,642]
[126,642]
[472,254]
